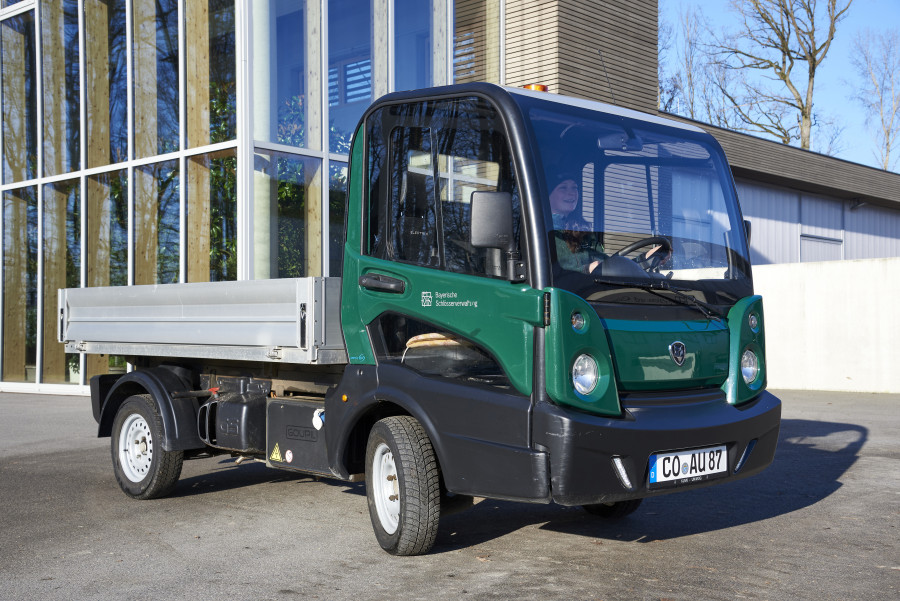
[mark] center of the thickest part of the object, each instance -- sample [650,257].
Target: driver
[577,247]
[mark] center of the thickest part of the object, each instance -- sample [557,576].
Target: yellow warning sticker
[276,454]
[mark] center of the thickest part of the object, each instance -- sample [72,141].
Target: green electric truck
[486,337]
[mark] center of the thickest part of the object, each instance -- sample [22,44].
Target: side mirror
[747,230]
[491,226]
[492,221]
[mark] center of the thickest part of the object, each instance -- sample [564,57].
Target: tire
[143,469]
[613,511]
[402,486]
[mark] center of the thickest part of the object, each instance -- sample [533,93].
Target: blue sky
[836,78]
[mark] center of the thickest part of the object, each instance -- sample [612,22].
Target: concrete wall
[833,325]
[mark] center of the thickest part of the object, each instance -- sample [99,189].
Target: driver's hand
[650,252]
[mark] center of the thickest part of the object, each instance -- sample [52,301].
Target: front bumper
[582,446]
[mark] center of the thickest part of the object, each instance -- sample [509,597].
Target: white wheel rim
[386,488]
[135,448]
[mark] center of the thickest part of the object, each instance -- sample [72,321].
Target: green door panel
[495,314]
[643,362]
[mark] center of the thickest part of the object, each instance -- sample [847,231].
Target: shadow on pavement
[810,460]
[812,457]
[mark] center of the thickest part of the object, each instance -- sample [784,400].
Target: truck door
[440,318]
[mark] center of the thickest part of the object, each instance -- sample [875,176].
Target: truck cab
[568,354]
[542,299]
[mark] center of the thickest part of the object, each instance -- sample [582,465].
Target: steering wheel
[654,261]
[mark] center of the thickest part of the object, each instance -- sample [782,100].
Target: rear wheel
[613,511]
[402,486]
[143,469]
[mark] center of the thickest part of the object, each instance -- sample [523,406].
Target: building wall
[158,141]
[556,43]
[831,325]
[532,43]
[625,32]
[789,226]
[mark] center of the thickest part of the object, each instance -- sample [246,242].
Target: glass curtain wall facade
[164,141]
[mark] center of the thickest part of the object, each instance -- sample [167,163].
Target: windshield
[633,201]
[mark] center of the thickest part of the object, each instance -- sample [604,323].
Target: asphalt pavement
[822,523]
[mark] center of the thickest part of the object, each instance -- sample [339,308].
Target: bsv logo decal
[677,351]
[427,299]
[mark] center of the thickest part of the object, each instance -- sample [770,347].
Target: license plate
[685,467]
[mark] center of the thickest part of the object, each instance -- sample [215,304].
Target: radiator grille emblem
[677,352]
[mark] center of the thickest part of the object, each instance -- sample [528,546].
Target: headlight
[753,322]
[749,366]
[578,321]
[585,374]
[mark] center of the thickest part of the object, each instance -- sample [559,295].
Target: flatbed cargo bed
[295,320]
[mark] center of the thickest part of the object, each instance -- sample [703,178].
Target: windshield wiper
[655,286]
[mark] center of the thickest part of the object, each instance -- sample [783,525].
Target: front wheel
[143,469]
[402,486]
[613,511]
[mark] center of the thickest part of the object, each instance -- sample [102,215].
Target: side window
[425,161]
[414,214]
[434,352]
[466,164]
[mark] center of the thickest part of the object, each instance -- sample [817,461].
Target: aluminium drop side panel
[295,320]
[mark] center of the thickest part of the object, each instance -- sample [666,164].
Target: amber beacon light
[536,87]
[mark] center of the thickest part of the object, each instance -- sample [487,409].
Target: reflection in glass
[286,95]
[106,81]
[337,208]
[62,269]
[19,98]
[156,218]
[211,71]
[476,41]
[107,229]
[60,73]
[287,216]
[155,72]
[349,69]
[212,217]
[412,44]
[20,240]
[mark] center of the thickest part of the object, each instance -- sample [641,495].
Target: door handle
[382,283]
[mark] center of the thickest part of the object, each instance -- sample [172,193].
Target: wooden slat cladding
[556,43]
[625,30]
[774,163]
[532,55]
[476,41]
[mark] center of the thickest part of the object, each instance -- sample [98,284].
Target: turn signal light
[536,87]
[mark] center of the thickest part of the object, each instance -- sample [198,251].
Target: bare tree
[776,36]
[876,58]
[667,85]
[692,62]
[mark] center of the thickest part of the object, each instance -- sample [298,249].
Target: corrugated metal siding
[774,214]
[813,250]
[790,226]
[871,232]
[821,217]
